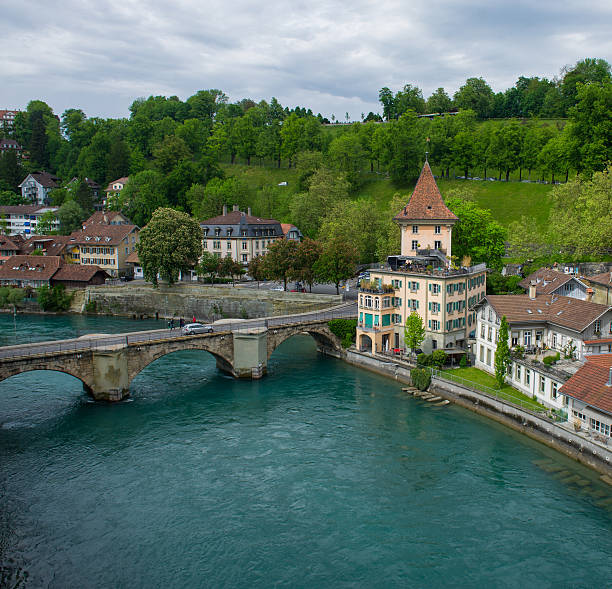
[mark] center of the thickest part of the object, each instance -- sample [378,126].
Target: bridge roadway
[106,364]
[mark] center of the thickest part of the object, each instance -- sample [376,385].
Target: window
[488,356]
[527,338]
[553,389]
[482,331]
[216,245]
[599,426]
[205,244]
[542,384]
[244,245]
[386,302]
[415,244]
[435,324]
[414,286]
[490,334]
[482,353]
[415,229]
[217,231]
[438,229]
[244,257]
[435,288]
[229,245]
[527,377]
[437,245]
[597,326]
[518,372]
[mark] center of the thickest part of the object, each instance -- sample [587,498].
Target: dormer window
[217,231]
[205,230]
[229,231]
[107,238]
[97,238]
[87,238]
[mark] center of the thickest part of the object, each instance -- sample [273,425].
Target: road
[95,342]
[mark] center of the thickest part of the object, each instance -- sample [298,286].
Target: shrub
[91,307]
[421,378]
[345,329]
[424,360]
[463,362]
[438,358]
[550,360]
[54,299]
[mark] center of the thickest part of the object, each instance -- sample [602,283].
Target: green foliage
[11,297]
[336,262]
[414,331]
[424,359]
[438,358]
[421,378]
[9,198]
[550,360]
[91,307]
[141,196]
[503,359]
[54,299]
[278,261]
[70,216]
[345,329]
[498,284]
[463,362]
[208,265]
[171,242]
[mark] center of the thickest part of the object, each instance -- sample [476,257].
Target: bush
[54,299]
[550,360]
[345,329]
[424,360]
[463,362]
[91,307]
[438,358]
[421,378]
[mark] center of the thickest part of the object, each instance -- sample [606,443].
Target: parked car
[192,328]
[281,287]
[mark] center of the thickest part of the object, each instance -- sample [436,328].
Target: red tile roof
[605,278]
[594,342]
[30,267]
[547,280]
[589,383]
[78,272]
[564,311]
[102,235]
[107,218]
[7,244]
[426,202]
[22,209]
[133,258]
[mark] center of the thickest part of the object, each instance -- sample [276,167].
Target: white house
[23,219]
[37,186]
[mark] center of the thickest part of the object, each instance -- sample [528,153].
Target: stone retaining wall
[206,303]
[539,428]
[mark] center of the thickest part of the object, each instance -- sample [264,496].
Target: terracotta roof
[78,272]
[105,218]
[30,267]
[605,278]
[97,235]
[52,244]
[589,383]
[594,342]
[21,209]
[7,244]
[234,218]
[563,311]
[547,280]
[123,181]
[133,258]
[426,202]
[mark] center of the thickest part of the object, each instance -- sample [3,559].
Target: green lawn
[481,379]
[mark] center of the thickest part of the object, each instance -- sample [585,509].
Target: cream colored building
[422,280]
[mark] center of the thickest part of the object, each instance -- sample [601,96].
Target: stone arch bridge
[106,365]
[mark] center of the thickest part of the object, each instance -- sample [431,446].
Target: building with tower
[422,278]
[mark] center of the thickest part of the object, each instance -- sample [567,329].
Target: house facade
[23,219]
[114,189]
[539,326]
[239,235]
[552,281]
[602,287]
[421,279]
[37,186]
[7,120]
[10,145]
[8,248]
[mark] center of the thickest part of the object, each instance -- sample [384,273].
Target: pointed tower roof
[426,203]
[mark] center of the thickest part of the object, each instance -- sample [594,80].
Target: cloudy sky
[331,56]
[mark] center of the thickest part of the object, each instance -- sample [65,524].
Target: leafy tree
[389,236]
[39,151]
[477,234]
[83,196]
[45,223]
[169,153]
[414,331]
[169,244]
[70,216]
[208,265]
[257,269]
[11,170]
[306,256]
[336,263]
[503,359]
[278,261]
[439,101]
[346,155]
[11,297]
[475,95]
[409,98]
[386,98]
[140,197]
[208,202]
[118,160]
[54,298]
[306,164]
[588,71]
[406,149]
[10,198]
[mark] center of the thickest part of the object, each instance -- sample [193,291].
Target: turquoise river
[319,475]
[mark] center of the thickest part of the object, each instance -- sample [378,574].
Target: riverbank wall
[539,428]
[205,303]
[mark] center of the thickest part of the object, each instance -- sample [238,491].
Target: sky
[327,55]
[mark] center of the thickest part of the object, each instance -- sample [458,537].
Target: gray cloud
[325,55]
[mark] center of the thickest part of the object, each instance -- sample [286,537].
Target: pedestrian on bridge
[171,324]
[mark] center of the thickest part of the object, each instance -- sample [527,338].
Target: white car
[282,288]
[192,328]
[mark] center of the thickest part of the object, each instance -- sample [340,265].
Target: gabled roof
[107,218]
[30,267]
[78,272]
[547,280]
[7,244]
[102,235]
[123,181]
[589,383]
[426,202]
[557,310]
[21,209]
[53,245]
[133,258]
[237,218]
[605,279]
[44,179]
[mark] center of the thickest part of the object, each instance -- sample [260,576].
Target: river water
[319,475]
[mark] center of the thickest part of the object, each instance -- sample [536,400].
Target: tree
[39,151]
[306,256]
[502,353]
[336,263]
[169,244]
[45,223]
[11,170]
[414,331]
[385,97]
[83,196]
[406,149]
[70,216]
[141,196]
[278,261]
[117,160]
[476,95]
[10,198]
[208,266]
[257,269]
[346,155]
[229,267]
[439,101]
[54,298]
[11,297]
[589,71]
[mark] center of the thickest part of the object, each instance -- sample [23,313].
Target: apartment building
[23,219]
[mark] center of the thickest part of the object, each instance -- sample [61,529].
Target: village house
[602,287]
[239,235]
[107,218]
[422,279]
[114,189]
[37,186]
[291,232]
[540,326]
[8,248]
[23,219]
[10,145]
[47,245]
[7,121]
[36,271]
[552,281]
[589,395]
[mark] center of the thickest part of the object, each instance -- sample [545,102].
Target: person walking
[194,319]
[171,324]
[181,323]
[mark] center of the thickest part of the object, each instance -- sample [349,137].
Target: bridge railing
[84,344]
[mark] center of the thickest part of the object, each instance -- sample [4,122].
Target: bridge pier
[110,380]
[250,354]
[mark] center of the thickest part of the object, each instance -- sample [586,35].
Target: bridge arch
[323,336]
[73,371]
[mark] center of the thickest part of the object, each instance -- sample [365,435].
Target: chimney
[589,295]
[224,210]
[235,208]
[532,290]
[249,211]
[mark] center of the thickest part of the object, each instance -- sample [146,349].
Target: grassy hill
[507,201]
